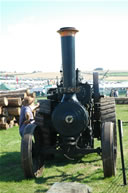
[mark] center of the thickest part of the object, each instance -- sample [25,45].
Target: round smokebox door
[69,118]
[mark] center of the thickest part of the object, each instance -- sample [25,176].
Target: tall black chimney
[69,117]
[68,55]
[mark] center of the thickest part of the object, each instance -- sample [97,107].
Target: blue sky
[28,38]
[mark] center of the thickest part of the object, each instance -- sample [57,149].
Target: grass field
[88,170]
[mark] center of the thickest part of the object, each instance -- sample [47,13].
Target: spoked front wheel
[32,161]
[108,149]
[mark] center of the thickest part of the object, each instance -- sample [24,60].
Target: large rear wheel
[32,160]
[108,114]
[108,150]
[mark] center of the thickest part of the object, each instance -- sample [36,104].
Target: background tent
[5,87]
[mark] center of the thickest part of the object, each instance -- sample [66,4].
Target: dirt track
[87,76]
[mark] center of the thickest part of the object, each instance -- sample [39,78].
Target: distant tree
[98,69]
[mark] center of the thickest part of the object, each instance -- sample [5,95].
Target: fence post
[121,150]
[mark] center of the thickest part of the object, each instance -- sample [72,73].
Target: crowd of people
[115,93]
[127,93]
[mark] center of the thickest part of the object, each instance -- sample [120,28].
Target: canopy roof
[4,87]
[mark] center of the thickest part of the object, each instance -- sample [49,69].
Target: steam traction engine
[69,120]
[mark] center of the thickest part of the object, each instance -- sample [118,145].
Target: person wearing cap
[26,115]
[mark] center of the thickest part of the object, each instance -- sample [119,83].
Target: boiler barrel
[68,55]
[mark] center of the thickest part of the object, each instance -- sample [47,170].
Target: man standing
[26,115]
[127,92]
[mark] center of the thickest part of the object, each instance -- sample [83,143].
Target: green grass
[88,170]
[114,73]
[118,74]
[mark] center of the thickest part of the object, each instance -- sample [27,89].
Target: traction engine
[68,121]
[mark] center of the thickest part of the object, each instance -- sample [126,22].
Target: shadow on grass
[62,176]
[11,171]
[125,123]
[61,160]
[10,167]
